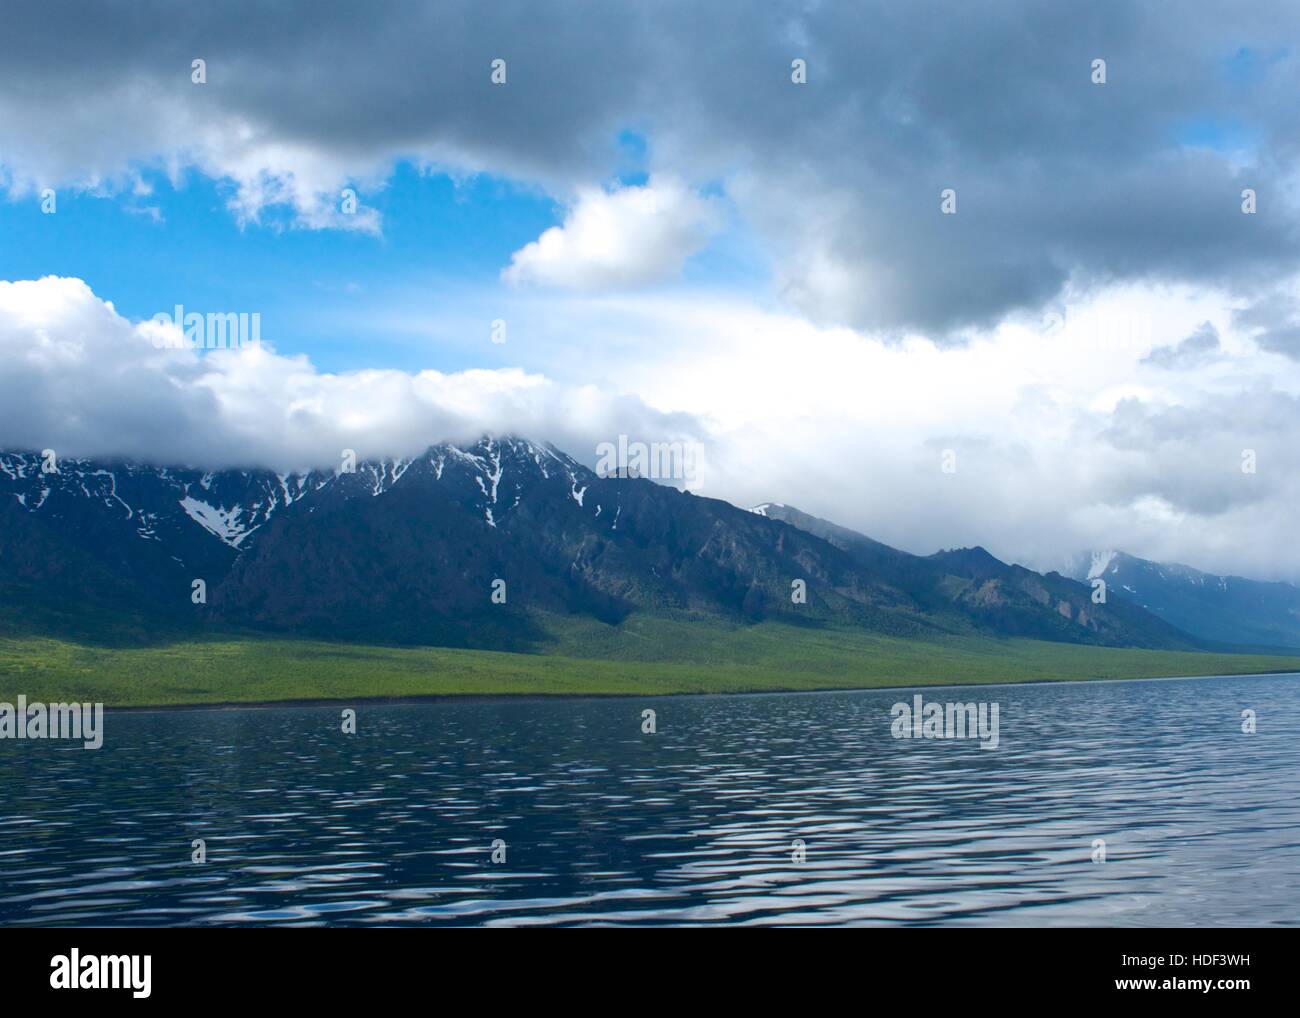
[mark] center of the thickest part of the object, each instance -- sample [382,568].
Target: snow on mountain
[224,524]
[165,503]
[1100,561]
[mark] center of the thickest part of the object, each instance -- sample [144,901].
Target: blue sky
[439,236]
[419,294]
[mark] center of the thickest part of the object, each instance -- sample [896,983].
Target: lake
[597,822]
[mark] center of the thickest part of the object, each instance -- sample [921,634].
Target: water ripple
[696,824]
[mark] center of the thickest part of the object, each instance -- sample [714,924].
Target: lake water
[696,823]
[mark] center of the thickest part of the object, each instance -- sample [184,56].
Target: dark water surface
[695,824]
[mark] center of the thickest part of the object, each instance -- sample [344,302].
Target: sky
[650,228]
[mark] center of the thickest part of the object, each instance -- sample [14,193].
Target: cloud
[1196,348]
[1061,183]
[78,378]
[627,237]
[1273,321]
[1063,439]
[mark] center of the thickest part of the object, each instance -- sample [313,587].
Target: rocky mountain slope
[413,551]
[992,595]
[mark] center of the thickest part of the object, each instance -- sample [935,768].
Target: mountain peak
[974,556]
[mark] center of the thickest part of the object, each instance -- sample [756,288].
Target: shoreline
[416,699]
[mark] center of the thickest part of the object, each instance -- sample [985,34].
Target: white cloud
[78,378]
[1065,438]
[628,237]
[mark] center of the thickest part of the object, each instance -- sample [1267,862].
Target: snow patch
[222,523]
[1100,561]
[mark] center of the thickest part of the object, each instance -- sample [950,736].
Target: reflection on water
[694,824]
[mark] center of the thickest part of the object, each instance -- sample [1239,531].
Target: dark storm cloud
[1058,180]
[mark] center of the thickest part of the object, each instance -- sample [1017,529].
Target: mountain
[1222,609]
[411,550]
[992,595]
[406,550]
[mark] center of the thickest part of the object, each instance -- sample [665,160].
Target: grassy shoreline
[470,697]
[645,657]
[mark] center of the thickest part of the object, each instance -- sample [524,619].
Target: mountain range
[476,545]
[1225,609]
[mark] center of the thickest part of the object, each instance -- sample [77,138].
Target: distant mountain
[992,595]
[1222,609]
[407,551]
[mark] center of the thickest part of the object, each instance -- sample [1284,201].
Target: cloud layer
[78,378]
[1059,180]
[1063,438]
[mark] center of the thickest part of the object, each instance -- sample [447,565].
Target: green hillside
[644,655]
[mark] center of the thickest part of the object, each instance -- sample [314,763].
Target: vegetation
[645,656]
